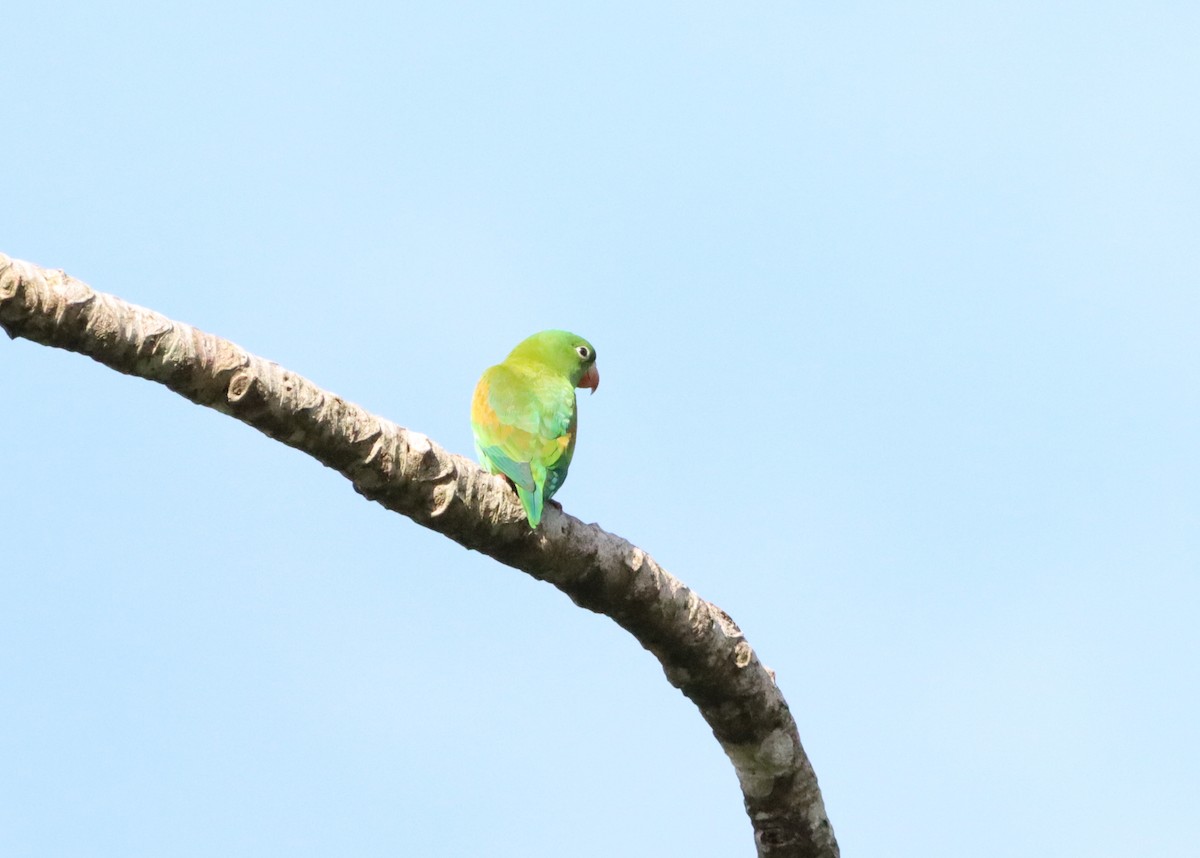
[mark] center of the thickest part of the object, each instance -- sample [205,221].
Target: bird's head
[562,352]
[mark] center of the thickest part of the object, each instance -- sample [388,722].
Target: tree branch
[701,649]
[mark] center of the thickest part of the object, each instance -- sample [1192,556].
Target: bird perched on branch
[523,414]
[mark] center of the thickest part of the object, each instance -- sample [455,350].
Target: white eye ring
[583,352]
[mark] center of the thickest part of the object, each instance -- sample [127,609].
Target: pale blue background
[896,311]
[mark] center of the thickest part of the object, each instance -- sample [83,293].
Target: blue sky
[896,315]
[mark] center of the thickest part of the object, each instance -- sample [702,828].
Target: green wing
[524,424]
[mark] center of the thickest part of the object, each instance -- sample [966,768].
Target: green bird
[523,414]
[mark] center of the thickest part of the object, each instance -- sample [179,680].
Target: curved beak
[591,379]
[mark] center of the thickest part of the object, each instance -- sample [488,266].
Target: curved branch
[701,649]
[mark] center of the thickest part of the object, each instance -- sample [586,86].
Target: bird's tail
[532,501]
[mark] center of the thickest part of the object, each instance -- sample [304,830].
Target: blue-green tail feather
[532,502]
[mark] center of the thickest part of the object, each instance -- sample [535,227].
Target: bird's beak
[591,379]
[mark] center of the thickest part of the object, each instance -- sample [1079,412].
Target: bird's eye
[584,352]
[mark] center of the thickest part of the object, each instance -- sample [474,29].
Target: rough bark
[701,649]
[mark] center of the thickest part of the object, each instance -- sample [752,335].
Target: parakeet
[523,414]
